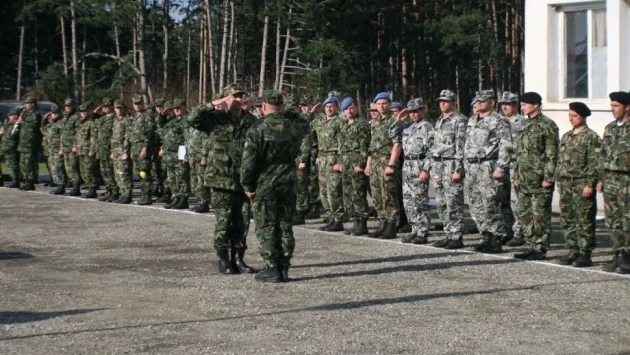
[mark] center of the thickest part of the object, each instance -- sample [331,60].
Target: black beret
[580,108]
[530,98]
[621,97]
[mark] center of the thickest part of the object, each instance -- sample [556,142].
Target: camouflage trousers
[313,183]
[143,167]
[330,188]
[232,212]
[617,205]
[484,194]
[416,198]
[273,218]
[178,174]
[58,171]
[384,189]
[509,208]
[107,172]
[159,171]
[197,180]
[302,188]
[577,216]
[122,174]
[449,196]
[28,162]
[71,164]
[87,167]
[354,187]
[534,215]
[13,163]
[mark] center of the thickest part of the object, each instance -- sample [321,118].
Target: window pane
[599,28]
[576,30]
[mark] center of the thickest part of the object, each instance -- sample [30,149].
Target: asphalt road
[83,277]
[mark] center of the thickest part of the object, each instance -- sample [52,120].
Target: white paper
[181,152]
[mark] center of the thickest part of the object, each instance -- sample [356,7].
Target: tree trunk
[403,57]
[235,59]
[165,7]
[230,60]
[75,65]
[202,60]
[120,74]
[223,46]
[263,57]
[18,89]
[135,55]
[275,84]
[64,54]
[188,52]
[141,57]
[83,67]
[213,84]
[286,51]
[36,48]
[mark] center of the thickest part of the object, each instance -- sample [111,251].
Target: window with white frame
[584,58]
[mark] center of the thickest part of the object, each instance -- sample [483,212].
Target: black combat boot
[381,229]
[516,242]
[166,196]
[174,202]
[485,244]
[28,186]
[14,184]
[442,242]
[531,255]
[404,228]
[202,208]
[269,274]
[313,212]
[569,259]
[454,244]
[389,232]
[299,219]
[182,204]
[60,190]
[495,245]
[75,191]
[328,224]
[408,238]
[284,266]
[612,266]
[124,200]
[335,226]
[105,196]
[354,226]
[584,260]
[238,264]
[623,263]
[145,200]
[421,239]
[361,228]
[115,196]
[90,194]
[225,267]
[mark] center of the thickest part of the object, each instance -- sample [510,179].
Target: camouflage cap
[508,97]
[447,95]
[246,97]
[160,102]
[29,100]
[484,95]
[119,104]
[178,103]
[138,99]
[15,110]
[306,100]
[258,102]
[68,102]
[273,97]
[55,109]
[217,96]
[289,100]
[231,90]
[415,104]
[84,107]
[372,107]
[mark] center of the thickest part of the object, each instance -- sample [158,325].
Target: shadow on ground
[10,255]
[27,317]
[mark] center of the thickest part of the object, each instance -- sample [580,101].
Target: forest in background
[190,49]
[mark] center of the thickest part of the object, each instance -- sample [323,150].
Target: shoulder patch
[462,134]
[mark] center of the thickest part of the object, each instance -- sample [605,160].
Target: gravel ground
[82,277]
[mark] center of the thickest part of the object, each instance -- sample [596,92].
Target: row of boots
[181,203]
[29,185]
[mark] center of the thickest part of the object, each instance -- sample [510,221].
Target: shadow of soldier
[18,317]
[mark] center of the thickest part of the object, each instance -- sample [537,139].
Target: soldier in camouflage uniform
[120,147]
[487,154]
[10,138]
[102,144]
[258,108]
[328,129]
[158,168]
[231,205]
[85,147]
[417,139]
[353,149]
[196,155]
[615,181]
[577,175]
[268,178]
[70,122]
[309,199]
[173,126]
[141,134]
[29,122]
[447,169]
[509,198]
[205,191]
[534,171]
[384,152]
[55,161]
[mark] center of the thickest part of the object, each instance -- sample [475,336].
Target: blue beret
[380,96]
[396,105]
[346,103]
[474,101]
[330,100]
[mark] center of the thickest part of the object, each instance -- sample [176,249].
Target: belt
[617,172]
[415,157]
[441,159]
[479,160]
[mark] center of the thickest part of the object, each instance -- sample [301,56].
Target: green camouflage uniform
[537,147]
[53,141]
[307,177]
[173,130]
[104,127]
[578,162]
[85,142]
[331,191]
[141,135]
[69,122]
[29,143]
[196,144]
[353,148]
[384,188]
[10,138]
[119,145]
[615,160]
[232,207]
[269,170]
